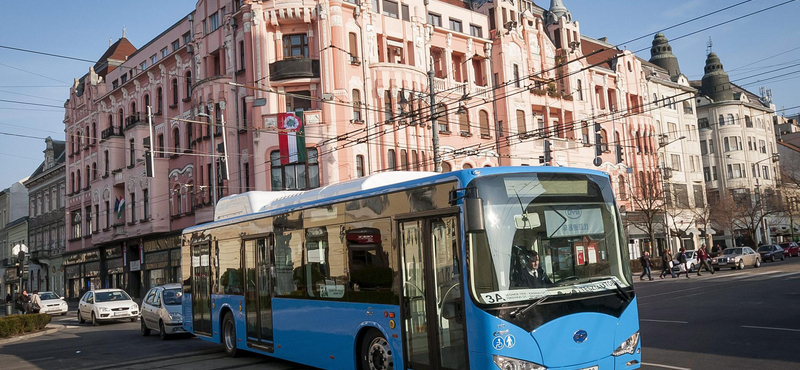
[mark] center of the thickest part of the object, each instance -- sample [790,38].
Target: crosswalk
[735,276]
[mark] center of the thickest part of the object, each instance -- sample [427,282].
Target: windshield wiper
[523,310]
[621,291]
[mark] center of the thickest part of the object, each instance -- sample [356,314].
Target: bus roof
[241,207]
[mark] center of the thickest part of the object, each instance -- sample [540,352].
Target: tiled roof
[598,54]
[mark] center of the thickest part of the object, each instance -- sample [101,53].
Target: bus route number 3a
[493,298]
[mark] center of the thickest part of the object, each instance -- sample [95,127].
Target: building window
[176,138]
[154,58]
[76,224]
[189,135]
[390,9]
[603,140]
[455,25]
[434,19]
[353,47]
[214,21]
[133,207]
[359,165]
[295,46]
[160,146]
[356,106]
[187,38]
[132,149]
[735,171]
[522,127]
[294,176]
[403,160]
[476,31]
[463,122]
[406,13]
[145,204]
[707,173]
[765,169]
[89,224]
[516,76]
[579,90]
[730,120]
[174,91]
[484,123]
[175,45]
[391,160]
[94,171]
[143,66]
[241,56]
[188,79]
[676,162]
[443,120]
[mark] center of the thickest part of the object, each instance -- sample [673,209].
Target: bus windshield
[546,234]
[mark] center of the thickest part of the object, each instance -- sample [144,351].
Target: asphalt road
[731,320]
[747,319]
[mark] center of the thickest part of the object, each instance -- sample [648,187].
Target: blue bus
[512,268]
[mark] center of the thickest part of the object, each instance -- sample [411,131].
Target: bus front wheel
[229,335]
[376,354]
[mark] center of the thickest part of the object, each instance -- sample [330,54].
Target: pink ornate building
[505,76]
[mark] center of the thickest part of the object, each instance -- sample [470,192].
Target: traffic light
[20,263]
[548,153]
[620,154]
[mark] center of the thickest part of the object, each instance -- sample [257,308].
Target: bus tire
[228,334]
[375,354]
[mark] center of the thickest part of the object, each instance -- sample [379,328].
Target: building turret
[661,55]
[556,11]
[716,83]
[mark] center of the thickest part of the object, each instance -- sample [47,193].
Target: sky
[82,29]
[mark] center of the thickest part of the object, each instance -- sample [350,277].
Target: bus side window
[371,261]
[289,275]
[326,272]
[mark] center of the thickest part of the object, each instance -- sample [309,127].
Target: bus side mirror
[473,208]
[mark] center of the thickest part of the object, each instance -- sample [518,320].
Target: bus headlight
[506,363]
[628,346]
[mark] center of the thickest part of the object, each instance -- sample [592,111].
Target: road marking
[665,366]
[42,359]
[769,328]
[665,321]
[757,275]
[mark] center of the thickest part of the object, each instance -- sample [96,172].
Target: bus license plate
[590,368]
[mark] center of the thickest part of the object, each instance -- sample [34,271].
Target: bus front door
[201,289]
[259,286]
[433,318]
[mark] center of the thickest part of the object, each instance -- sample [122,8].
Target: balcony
[294,68]
[40,254]
[132,120]
[111,131]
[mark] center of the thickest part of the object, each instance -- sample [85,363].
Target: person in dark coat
[682,260]
[647,266]
[703,258]
[532,275]
[666,260]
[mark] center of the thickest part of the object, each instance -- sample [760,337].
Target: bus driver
[532,275]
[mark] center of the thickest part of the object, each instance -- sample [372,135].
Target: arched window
[522,127]
[94,132]
[241,56]
[105,162]
[446,167]
[638,143]
[353,47]
[88,175]
[72,181]
[77,181]
[484,123]
[177,204]
[87,136]
[443,120]
[189,136]
[146,103]
[603,140]
[188,79]
[579,90]
[359,165]
[730,120]
[159,100]
[94,171]
[174,92]
[110,121]
[463,121]
[466,166]
[622,190]
[356,106]
[388,105]
[655,99]
[176,138]
[721,120]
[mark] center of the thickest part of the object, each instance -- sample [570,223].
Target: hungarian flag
[291,138]
[121,208]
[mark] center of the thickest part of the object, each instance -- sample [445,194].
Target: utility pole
[437,161]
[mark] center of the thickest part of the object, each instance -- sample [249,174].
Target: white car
[691,262]
[53,304]
[161,310]
[107,304]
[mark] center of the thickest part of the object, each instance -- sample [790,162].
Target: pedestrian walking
[666,262]
[716,250]
[24,302]
[682,262]
[646,266]
[36,302]
[702,256]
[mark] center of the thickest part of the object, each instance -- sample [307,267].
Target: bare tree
[675,213]
[648,207]
[749,212]
[722,213]
[703,220]
[786,202]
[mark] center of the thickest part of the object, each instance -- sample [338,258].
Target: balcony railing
[294,68]
[111,131]
[132,120]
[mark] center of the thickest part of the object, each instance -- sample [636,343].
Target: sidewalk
[73,306]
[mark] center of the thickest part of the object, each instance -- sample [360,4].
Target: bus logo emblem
[580,336]
[574,213]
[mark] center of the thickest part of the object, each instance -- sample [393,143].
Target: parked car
[105,305]
[737,258]
[691,261]
[53,304]
[791,249]
[161,310]
[771,252]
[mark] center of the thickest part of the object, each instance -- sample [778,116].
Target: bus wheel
[229,335]
[376,354]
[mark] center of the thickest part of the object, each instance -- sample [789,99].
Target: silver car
[737,258]
[161,310]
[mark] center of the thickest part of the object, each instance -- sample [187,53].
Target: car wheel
[758,263]
[145,330]
[376,354]
[691,268]
[133,319]
[94,320]
[783,258]
[162,331]
[80,318]
[229,335]
[741,265]
[63,314]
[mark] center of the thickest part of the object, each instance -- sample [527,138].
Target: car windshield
[48,295]
[733,251]
[765,248]
[546,234]
[111,296]
[172,297]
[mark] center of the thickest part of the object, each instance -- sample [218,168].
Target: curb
[49,329]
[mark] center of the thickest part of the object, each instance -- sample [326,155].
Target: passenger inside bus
[531,275]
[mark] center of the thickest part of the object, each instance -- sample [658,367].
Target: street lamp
[663,145]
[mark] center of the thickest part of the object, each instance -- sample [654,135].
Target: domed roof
[556,11]
[716,82]
[661,55]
